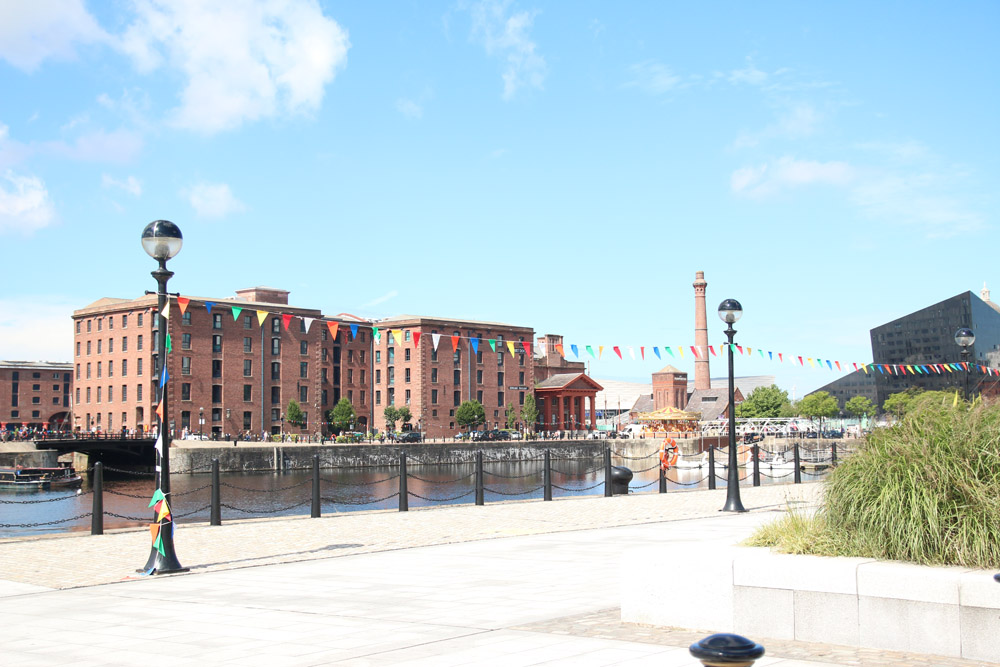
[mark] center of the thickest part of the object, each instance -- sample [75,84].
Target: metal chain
[360,502]
[47,500]
[442,500]
[496,474]
[43,523]
[644,485]
[655,465]
[633,458]
[726,478]
[200,509]
[379,481]
[280,488]
[273,511]
[441,481]
[585,488]
[585,472]
[188,493]
[698,481]
[127,472]
[790,472]
[522,493]
[145,519]
[126,495]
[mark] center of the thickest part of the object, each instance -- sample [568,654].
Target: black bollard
[547,476]
[833,455]
[726,649]
[620,478]
[316,512]
[797,464]
[711,467]
[216,516]
[480,490]
[608,482]
[404,495]
[97,512]
[663,480]
[756,465]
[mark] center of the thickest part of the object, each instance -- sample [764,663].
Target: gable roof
[565,380]
[711,403]
[670,369]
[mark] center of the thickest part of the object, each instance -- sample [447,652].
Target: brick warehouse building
[35,394]
[408,370]
[235,362]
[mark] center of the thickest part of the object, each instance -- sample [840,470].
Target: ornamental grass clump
[926,490]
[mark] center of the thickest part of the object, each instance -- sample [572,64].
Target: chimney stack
[702,377]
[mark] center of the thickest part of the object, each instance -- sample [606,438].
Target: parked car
[409,436]
[479,436]
[515,435]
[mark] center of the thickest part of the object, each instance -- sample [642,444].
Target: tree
[294,415]
[899,403]
[818,404]
[404,414]
[391,415]
[511,416]
[860,406]
[763,402]
[470,413]
[529,412]
[342,416]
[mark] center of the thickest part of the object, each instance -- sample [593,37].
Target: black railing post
[663,480]
[756,465]
[97,512]
[316,512]
[833,454]
[607,473]
[711,467]
[216,518]
[797,464]
[547,476]
[404,495]
[480,490]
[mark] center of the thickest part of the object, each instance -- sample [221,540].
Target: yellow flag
[510,346]
[810,359]
[955,402]
[600,351]
[398,335]
[680,348]
[164,510]
[261,316]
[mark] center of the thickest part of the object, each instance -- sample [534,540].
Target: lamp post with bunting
[730,311]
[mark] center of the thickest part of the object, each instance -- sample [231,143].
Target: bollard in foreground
[620,478]
[97,511]
[725,650]
[215,518]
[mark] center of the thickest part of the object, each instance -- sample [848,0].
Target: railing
[774,467]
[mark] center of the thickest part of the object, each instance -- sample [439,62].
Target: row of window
[15,376]
[390,396]
[37,400]
[111,322]
[16,414]
[111,345]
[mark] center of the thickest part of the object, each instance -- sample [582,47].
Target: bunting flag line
[168,344]
[493,344]
[236,312]
[600,352]
[333,326]
[454,344]
[416,339]
[617,351]
[307,322]
[208,306]
[354,331]
[475,345]
[166,310]
[560,349]
[656,351]
[182,303]
[435,339]
[164,377]
[261,316]
[510,346]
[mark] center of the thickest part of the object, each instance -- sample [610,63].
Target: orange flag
[454,343]
[183,303]
[333,326]
[559,349]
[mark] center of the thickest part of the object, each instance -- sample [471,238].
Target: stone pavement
[521,583]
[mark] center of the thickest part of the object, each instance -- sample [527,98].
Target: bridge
[101,446]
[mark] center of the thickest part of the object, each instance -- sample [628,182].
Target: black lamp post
[201,422]
[161,239]
[730,311]
[965,337]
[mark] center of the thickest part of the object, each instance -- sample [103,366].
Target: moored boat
[39,479]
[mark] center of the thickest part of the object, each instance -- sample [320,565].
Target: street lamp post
[730,311]
[965,337]
[162,240]
[201,422]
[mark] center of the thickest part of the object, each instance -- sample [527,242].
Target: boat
[686,463]
[39,479]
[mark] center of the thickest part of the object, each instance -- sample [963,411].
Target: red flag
[838,365]
[642,351]
[740,348]
[781,357]
[527,347]
[416,338]
[855,365]
[183,303]
[902,370]
[694,351]
[454,343]
[333,326]
[617,351]
[712,350]
[287,319]
[800,362]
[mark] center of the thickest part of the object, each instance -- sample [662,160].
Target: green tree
[763,402]
[404,414]
[342,416]
[511,416]
[818,404]
[529,412]
[860,406]
[391,416]
[898,404]
[294,415]
[470,414]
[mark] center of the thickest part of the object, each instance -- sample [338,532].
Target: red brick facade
[35,394]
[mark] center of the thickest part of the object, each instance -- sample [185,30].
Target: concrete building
[550,359]
[234,364]
[434,364]
[35,394]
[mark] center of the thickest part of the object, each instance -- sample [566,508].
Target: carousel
[660,423]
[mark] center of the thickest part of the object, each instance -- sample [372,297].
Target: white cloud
[32,31]
[37,328]
[409,108]
[749,75]
[769,179]
[119,146]
[922,198]
[798,121]
[382,299]
[507,35]
[653,77]
[25,206]
[242,61]
[130,185]
[213,200]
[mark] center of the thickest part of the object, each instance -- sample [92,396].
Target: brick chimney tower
[702,377]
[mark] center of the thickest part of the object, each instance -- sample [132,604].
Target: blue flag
[656,351]
[208,306]
[576,350]
[475,345]
[354,331]
[164,377]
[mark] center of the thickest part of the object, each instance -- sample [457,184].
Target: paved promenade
[521,583]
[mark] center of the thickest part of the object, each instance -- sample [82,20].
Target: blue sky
[565,166]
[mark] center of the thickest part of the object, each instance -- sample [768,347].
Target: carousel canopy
[668,414]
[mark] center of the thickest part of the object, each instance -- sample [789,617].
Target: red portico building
[567,402]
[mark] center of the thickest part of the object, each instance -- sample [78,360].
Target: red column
[561,423]
[548,412]
[580,423]
[593,412]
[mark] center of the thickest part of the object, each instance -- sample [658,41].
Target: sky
[566,166]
